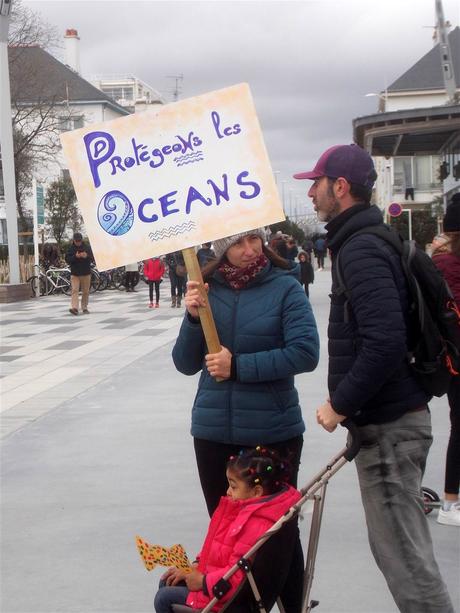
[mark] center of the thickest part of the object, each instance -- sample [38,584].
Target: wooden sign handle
[206,318]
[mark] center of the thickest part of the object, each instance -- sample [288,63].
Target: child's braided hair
[261,466]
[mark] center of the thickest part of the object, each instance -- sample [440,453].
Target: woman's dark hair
[274,258]
[261,466]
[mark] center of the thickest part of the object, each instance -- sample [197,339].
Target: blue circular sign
[395,209]
[115,213]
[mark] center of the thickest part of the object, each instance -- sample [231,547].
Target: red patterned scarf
[238,278]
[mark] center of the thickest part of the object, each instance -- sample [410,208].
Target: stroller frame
[315,490]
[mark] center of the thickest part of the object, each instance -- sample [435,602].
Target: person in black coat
[79,256]
[307,274]
[370,380]
[177,276]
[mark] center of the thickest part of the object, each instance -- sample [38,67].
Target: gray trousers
[390,468]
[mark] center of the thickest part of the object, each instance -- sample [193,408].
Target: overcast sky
[309,63]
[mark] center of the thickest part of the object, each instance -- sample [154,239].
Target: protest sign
[171,178]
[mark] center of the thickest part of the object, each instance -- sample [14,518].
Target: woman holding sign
[268,334]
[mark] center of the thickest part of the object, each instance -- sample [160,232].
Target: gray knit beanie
[220,246]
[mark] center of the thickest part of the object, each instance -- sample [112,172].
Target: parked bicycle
[54,280]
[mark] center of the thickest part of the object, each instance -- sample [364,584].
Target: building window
[422,172]
[418,172]
[3,232]
[119,93]
[70,123]
[64,124]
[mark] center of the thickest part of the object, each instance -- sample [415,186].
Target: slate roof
[37,76]
[427,72]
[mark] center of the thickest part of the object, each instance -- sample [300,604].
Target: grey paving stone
[148,332]
[68,345]
[6,348]
[5,322]
[60,330]
[19,335]
[114,320]
[120,326]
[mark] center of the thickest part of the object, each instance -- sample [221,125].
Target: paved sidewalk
[96,449]
[48,355]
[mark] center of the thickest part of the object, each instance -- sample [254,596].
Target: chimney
[72,55]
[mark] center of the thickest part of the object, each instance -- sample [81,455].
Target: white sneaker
[450,517]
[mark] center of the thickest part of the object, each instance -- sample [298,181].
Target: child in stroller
[257,496]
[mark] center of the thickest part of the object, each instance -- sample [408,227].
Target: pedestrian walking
[178,277]
[268,334]
[205,254]
[370,380]
[153,272]
[307,274]
[50,256]
[257,496]
[292,249]
[446,256]
[320,252]
[79,257]
[308,247]
[278,244]
[131,276]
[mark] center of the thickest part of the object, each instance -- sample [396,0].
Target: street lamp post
[283,194]
[6,143]
[383,99]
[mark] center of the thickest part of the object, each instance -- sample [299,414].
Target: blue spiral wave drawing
[172,231]
[115,213]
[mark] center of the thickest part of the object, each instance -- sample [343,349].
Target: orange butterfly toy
[156,555]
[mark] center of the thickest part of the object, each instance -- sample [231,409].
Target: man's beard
[332,212]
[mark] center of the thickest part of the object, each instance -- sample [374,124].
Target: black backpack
[434,317]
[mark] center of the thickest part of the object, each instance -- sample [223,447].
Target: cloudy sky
[309,63]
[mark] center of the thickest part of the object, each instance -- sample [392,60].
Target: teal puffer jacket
[270,328]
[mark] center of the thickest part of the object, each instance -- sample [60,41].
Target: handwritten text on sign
[163,180]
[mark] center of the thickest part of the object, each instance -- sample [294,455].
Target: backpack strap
[391,237]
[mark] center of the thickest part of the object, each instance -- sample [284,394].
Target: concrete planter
[14,293]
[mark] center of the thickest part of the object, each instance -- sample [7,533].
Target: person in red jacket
[257,496]
[446,257]
[153,272]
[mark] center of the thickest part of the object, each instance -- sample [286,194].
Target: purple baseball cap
[347,161]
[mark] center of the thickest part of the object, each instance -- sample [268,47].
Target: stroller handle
[354,440]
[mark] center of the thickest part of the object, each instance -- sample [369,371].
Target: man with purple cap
[370,381]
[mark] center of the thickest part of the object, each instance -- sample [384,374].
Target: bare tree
[38,105]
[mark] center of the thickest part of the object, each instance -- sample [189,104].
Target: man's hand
[327,417]
[194,580]
[219,364]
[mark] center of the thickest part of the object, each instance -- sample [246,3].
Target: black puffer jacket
[369,376]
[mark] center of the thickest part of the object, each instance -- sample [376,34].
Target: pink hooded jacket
[235,527]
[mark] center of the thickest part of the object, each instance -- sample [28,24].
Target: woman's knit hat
[220,246]
[451,222]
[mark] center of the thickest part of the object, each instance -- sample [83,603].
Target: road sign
[40,205]
[395,209]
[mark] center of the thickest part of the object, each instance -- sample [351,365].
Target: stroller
[264,579]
